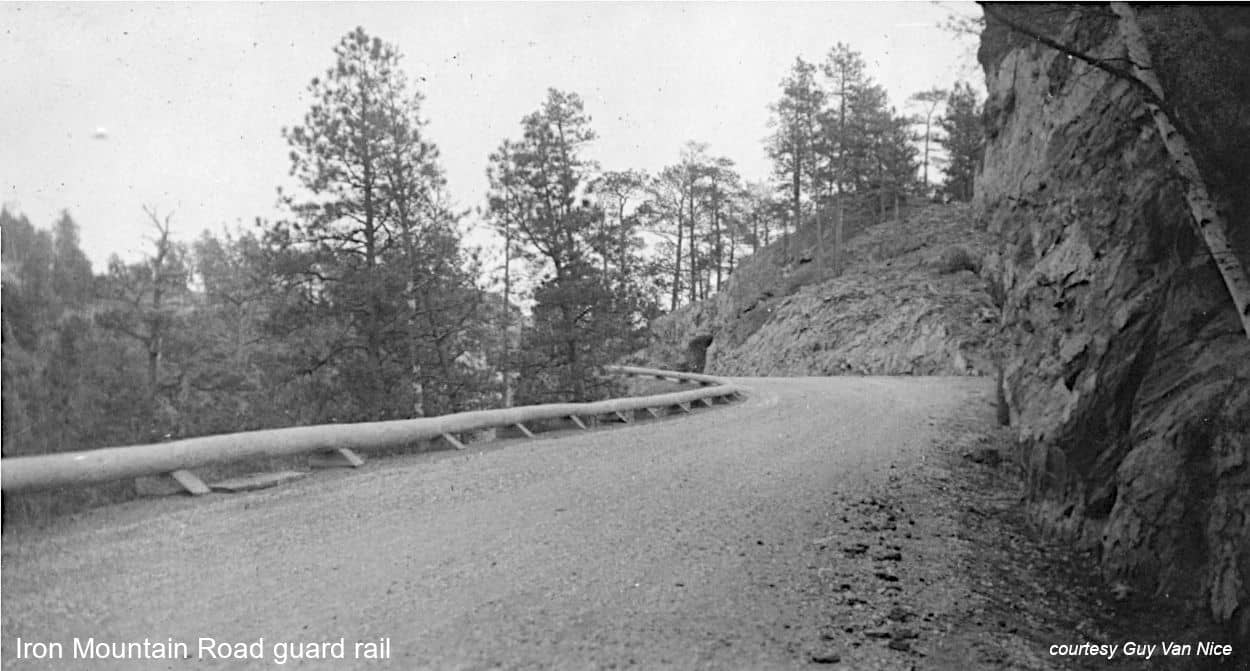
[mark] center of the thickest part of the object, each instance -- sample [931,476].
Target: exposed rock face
[911,302]
[1128,375]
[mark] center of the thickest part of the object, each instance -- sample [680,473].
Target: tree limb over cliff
[1208,221]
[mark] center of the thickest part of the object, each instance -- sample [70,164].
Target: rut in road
[684,543]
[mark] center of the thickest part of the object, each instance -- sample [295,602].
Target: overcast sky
[110,107]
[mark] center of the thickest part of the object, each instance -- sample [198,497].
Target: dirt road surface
[786,531]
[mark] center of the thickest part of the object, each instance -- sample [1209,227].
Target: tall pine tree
[795,138]
[541,187]
[964,140]
[371,248]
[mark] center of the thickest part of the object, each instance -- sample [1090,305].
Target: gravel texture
[813,524]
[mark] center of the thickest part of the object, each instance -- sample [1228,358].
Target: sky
[108,108]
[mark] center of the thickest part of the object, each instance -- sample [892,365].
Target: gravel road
[706,541]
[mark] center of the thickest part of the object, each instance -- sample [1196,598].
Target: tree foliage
[372,270]
[796,138]
[699,210]
[928,101]
[584,314]
[963,139]
[837,141]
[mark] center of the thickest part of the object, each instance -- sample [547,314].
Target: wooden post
[171,483]
[340,458]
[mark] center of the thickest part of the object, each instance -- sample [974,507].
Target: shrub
[957,258]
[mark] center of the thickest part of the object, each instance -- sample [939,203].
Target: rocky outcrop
[911,302]
[1128,374]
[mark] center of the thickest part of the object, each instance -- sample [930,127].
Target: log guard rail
[335,442]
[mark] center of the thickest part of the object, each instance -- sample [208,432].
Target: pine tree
[847,126]
[963,141]
[370,243]
[795,139]
[507,204]
[666,209]
[617,244]
[541,187]
[72,279]
[717,190]
[67,385]
[843,123]
[693,168]
[929,102]
[896,160]
[762,214]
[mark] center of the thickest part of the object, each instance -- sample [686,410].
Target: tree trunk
[444,362]
[755,233]
[624,244]
[1209,222]
[373,339]
[717,251]
[880,186]
[605,235]
[820,231]
[155,332]
[155,340]
[927,118]
[154,364]
[414,365]
[677,263]
[507,314]
[837,238]
[796,195]
[575,381]
[694,264]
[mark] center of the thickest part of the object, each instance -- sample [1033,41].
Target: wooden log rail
[339,441]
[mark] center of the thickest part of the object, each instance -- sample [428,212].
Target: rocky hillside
[1128,374]
[910,301]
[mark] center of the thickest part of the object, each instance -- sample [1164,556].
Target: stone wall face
[1127,374]
[901,307]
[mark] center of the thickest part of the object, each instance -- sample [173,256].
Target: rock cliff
[909,302]
[1128,374]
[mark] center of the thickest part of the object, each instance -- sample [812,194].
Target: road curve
[681,543]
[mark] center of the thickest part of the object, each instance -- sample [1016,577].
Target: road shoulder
[976,587]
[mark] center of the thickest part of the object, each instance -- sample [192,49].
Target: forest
[363,301]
